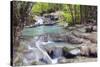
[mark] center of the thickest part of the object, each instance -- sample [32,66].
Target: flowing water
[35,31]
[40,30]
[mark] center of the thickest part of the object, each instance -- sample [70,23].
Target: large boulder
[92,37]
[58,38]
[75,51]
[65,38]
[89,29]
[73,40]
[80,34]
[88,50]
[68,54]
[84,51]
[50,52]
[93,50]
[95,28]
[54,52]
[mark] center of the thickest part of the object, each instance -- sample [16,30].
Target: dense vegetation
[71,13]
[24,13]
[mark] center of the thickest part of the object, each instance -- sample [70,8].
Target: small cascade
[46,57]
[38,43]
[39,20]
[57,52]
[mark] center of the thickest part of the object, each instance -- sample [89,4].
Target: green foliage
[66,49]
[71,14]
[45,7]
[40,7]
[67,17]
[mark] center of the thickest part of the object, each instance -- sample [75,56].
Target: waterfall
[57,52]
[38,43]
[46,56]
[39,20]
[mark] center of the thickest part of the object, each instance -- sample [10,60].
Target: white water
[38,43]
[45,43]
[57,52]
[46,56]
[39,20]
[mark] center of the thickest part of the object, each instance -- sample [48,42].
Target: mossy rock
[66,49]
[34,63]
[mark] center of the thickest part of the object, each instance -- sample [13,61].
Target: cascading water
[42,38]
[57,52]
[46,56]
[39,20]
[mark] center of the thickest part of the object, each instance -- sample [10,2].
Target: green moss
[34,63]
[66,49]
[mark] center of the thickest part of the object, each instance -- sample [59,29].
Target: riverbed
[44,44]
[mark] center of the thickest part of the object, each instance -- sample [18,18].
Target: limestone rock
[64,60]
[73,40]
[89,50]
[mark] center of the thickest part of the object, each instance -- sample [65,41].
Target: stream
[41,42]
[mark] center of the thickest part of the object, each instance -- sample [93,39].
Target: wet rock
[64,60]
[54,16]
[84,51]
[89,29]
[79,25]
[44,61]
[58,38]
[82,29]
[93,50]
[68,54]
[34,63]
[75,51]
[80,34]
[89,50]
[43,38]
[55,52]
[79,59]
[71,28]
[65,38]
[92,37]
[73,40]
[89,36]
[95,28]
[50,52]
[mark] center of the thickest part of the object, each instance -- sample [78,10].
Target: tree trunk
[19,12]
[71,12]
[75,13]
